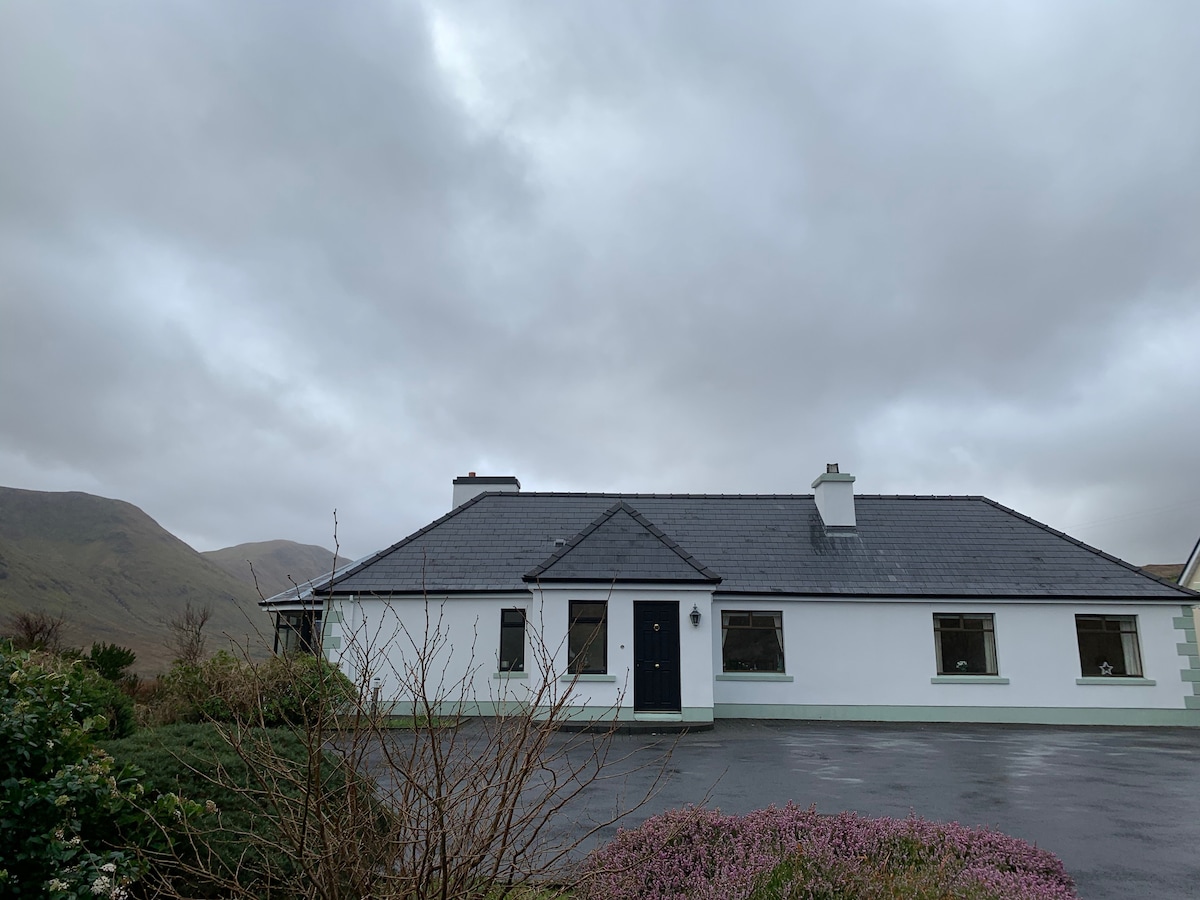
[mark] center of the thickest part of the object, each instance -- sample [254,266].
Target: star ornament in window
[1106,668]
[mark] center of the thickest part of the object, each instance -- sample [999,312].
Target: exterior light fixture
[694,615]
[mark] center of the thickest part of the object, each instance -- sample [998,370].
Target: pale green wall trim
[336,616]
[753,676]
[1188,650]
[1119,681]
[332,642]
[688,715]
[1013,715]
[968,679]
[567,679]
[449,710]
[505,676]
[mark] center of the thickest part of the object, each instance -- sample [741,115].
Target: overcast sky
[259,261]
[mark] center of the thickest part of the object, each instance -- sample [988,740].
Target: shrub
[62,799]
[111,661]
[252,780]
[36,630]
[107,699]
[791,853]
[283,690]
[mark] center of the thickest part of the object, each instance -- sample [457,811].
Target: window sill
[567,679]
[754,676]
[968,679]
[504,676]
[1117,681]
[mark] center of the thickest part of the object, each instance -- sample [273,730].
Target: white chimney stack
[834,494]
[472,485]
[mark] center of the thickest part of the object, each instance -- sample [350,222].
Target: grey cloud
[656,251]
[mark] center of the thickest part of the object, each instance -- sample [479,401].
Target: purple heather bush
[790,853]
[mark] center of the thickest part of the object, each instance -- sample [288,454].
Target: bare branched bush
[414,798]
[36,630]
[185,633]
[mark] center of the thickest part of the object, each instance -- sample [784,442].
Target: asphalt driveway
[1120,807]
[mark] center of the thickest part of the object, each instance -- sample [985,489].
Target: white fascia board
[943,600]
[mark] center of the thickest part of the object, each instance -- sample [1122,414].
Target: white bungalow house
[685,608]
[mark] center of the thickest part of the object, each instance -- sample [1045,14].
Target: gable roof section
[619,546]
[905,546]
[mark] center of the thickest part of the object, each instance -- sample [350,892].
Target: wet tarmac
[1120,807]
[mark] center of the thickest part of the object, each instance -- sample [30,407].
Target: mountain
[116,575]
[1169,571]
[277,565]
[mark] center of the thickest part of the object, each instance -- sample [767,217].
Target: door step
[658,717]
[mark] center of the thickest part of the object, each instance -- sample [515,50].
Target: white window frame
[777,622]
[958,668]
[1131,651]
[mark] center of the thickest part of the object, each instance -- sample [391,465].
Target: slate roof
[622,545]
[904,546]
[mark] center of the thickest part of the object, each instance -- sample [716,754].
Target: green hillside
[114,574]
[278,565]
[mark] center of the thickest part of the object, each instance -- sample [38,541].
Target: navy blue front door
[656,656]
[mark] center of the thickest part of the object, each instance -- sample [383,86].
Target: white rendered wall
[375,643]
[695,657]
[838,654]
[381,643]
[846,653]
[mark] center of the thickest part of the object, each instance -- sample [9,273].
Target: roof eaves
[975,595]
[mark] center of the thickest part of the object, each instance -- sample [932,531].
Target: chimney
[834,494]
[472,485]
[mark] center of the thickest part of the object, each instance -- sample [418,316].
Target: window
[512,640]
[298,632]
[1108,645]
[751,641]
[966,643]
[587,643]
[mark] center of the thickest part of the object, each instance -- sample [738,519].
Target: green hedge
[197,762]
[283,690]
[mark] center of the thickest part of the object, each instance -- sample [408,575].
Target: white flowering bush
[63,803]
